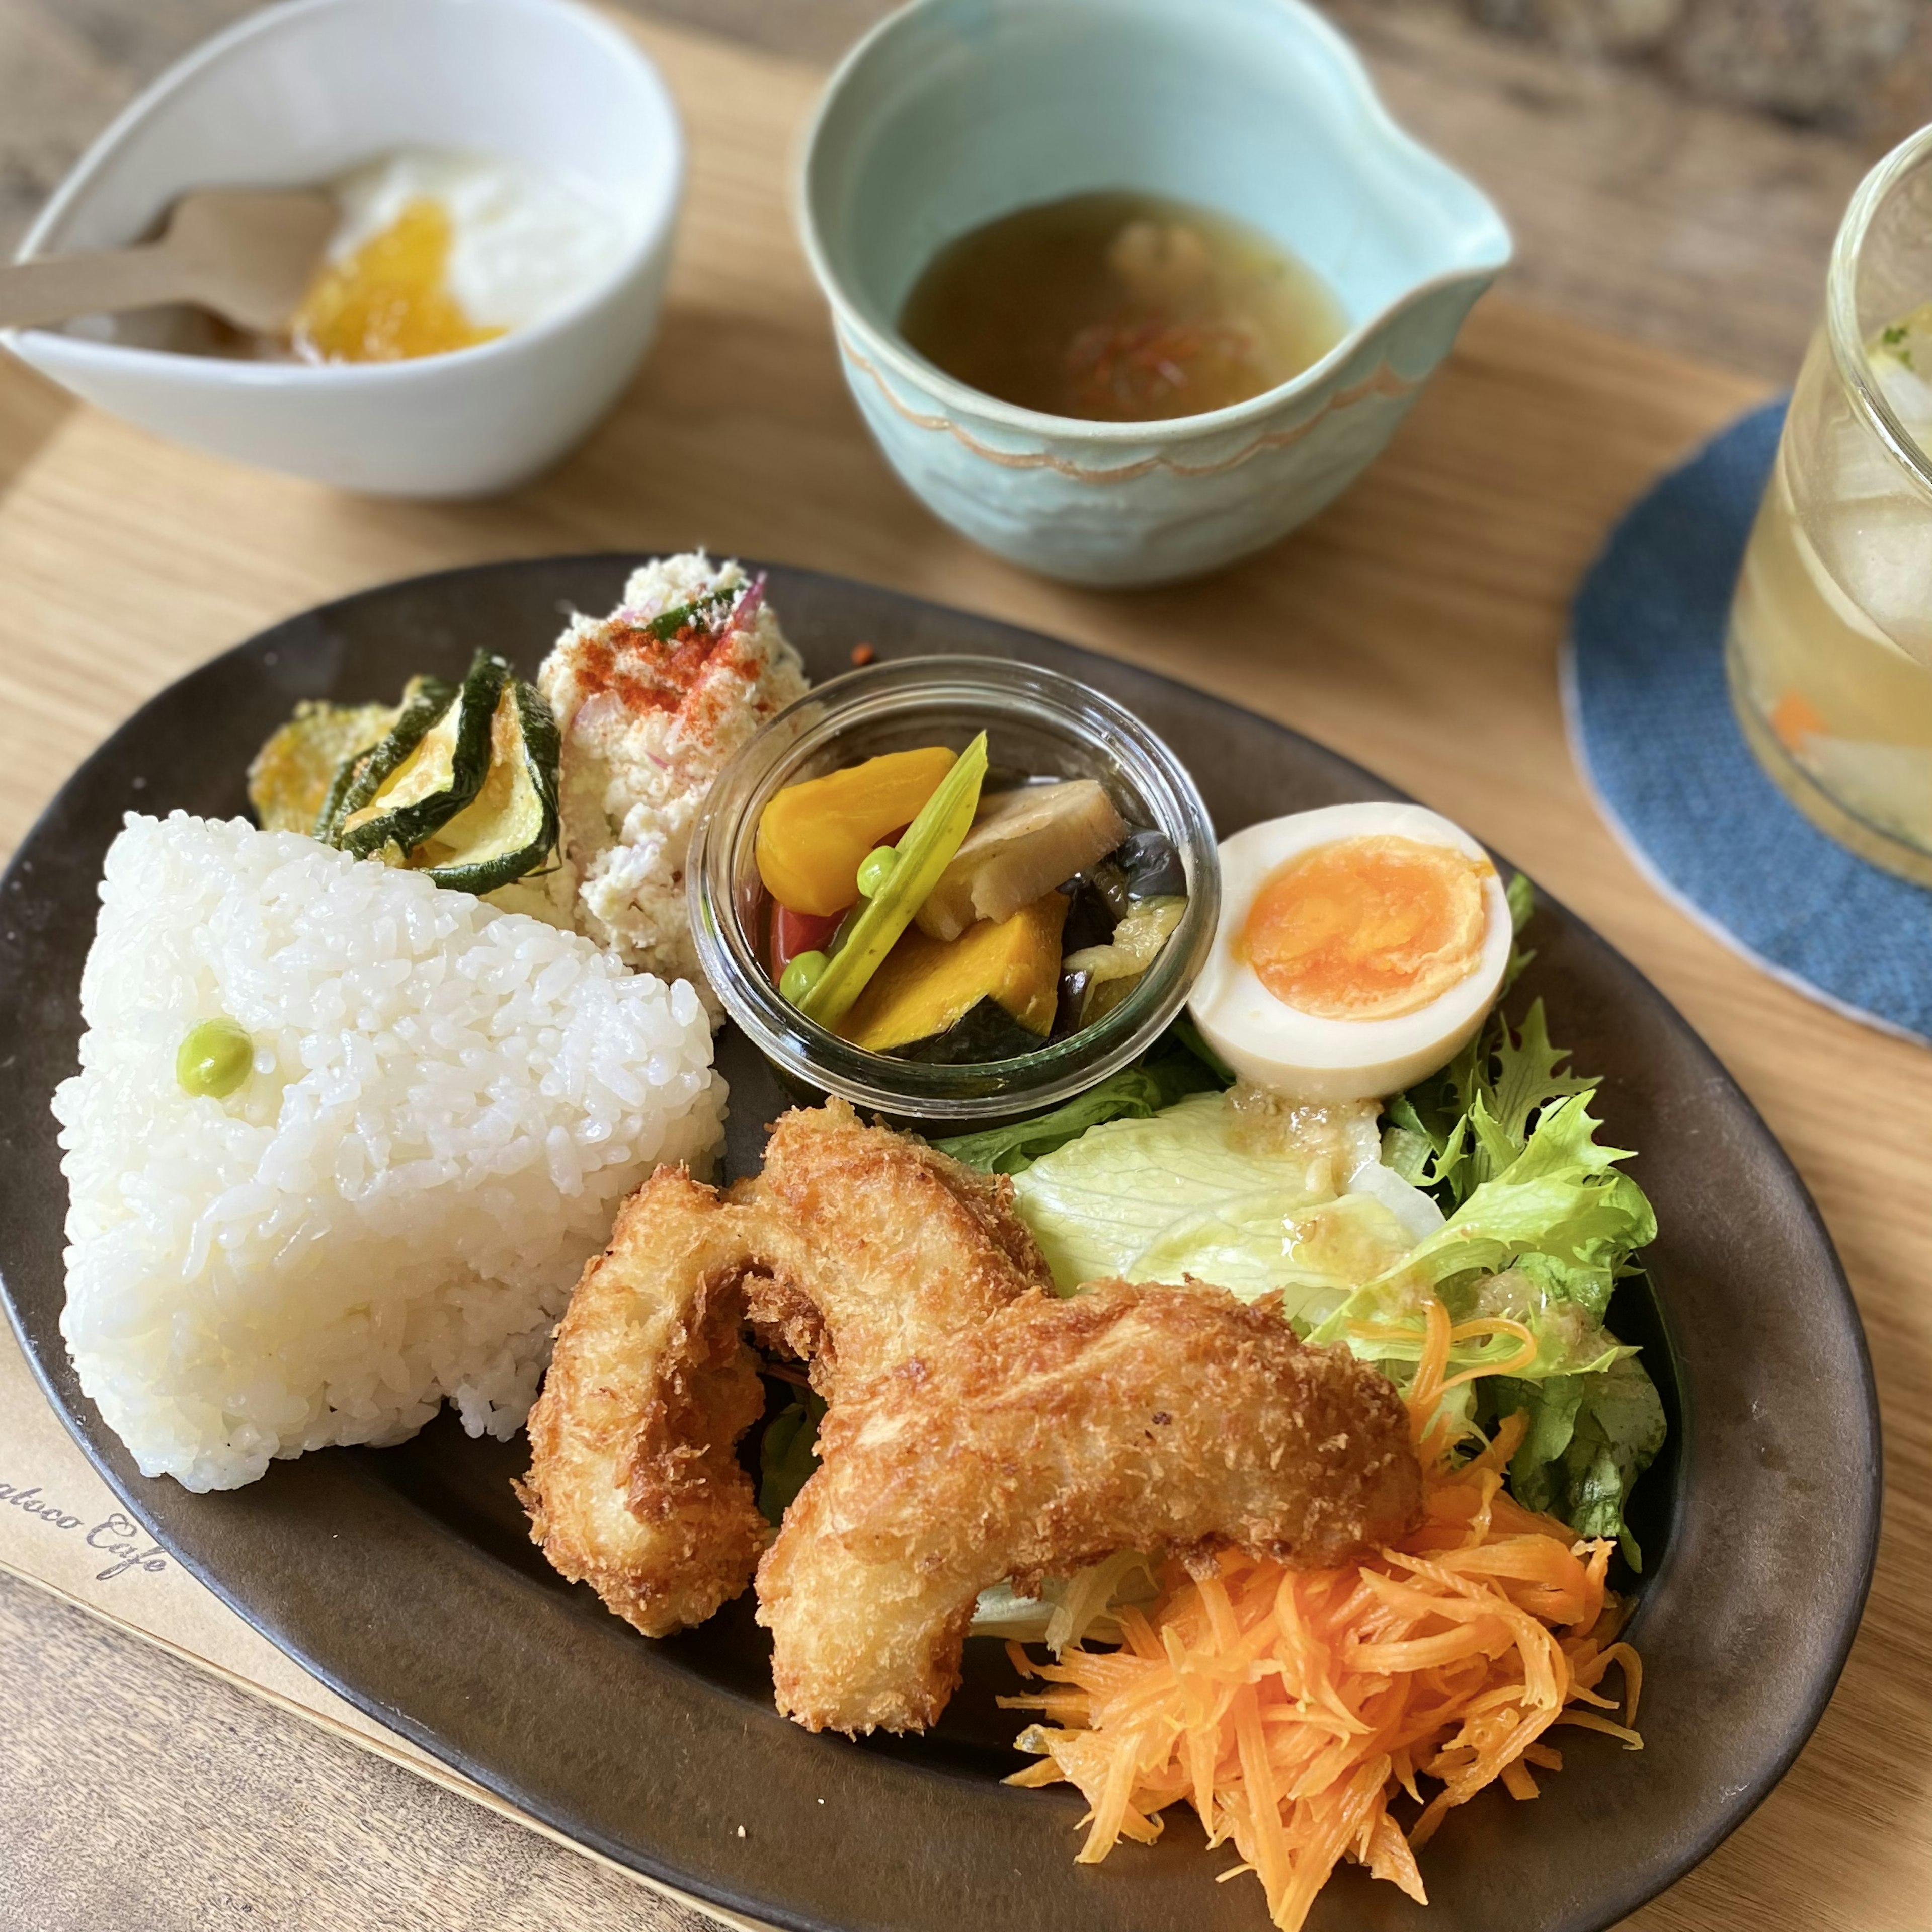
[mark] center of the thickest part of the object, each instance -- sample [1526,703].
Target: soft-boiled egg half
[1359,948]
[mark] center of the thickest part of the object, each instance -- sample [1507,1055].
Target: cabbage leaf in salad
[1068,1610]
[1186,1191]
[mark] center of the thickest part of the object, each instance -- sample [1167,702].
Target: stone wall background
[1862,66]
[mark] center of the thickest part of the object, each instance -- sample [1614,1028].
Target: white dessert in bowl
[307,92]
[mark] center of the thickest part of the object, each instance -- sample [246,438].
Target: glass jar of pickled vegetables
[1041,731]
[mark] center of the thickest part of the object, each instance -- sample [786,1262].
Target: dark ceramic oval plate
[404,1579]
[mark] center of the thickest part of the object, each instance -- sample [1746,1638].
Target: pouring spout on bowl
[953,114]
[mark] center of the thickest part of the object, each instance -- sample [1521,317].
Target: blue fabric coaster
[1651,727]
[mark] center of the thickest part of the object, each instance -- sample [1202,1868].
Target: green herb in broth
[1120,307]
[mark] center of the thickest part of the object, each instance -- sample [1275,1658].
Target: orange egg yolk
[389,301]
[1367,929]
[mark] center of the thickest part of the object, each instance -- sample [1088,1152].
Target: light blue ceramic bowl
[953,112]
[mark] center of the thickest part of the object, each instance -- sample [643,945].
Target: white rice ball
[447,1104]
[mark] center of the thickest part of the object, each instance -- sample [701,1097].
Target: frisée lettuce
[1556,1224]
[1504,1136]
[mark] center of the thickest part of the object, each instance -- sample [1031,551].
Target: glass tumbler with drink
[1829,650]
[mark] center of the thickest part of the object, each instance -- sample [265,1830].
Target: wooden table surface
[1415,627]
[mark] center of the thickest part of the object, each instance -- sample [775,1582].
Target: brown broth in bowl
[1120,307]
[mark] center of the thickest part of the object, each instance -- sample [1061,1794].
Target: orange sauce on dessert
[1367,928]
[389,301]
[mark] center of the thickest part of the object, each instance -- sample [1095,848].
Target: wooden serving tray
[1415,626]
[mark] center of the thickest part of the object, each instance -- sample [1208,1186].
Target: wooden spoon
[246,254]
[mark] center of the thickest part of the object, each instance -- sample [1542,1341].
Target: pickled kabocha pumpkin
[916,908]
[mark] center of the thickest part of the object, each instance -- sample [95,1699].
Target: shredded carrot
[1290,1708]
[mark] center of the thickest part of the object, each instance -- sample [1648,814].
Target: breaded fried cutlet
[1172,1420]
[881,1246]
[856,1248]
[635,1485]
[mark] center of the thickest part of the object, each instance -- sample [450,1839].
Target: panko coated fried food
[634,1485]
[857,1248]
[1165,1420]
[880,1246]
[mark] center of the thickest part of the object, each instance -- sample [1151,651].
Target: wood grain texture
[1415,626]
[148,1796]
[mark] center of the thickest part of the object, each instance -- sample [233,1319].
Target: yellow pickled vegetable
[927,986]
[813,836]
[920,857]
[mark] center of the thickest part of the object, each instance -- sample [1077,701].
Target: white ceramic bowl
[297,94]
[953,112]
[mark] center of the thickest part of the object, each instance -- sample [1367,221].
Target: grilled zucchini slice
[509,828]
[434,779]
[424,700]
[290,778]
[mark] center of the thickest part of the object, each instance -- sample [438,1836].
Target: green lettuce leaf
[1522,897]
[1463,1125]
[1543,1242]
[1094,1204]
[1591,1436]
[787,1454]
[1181,1064]
[1554,1208]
